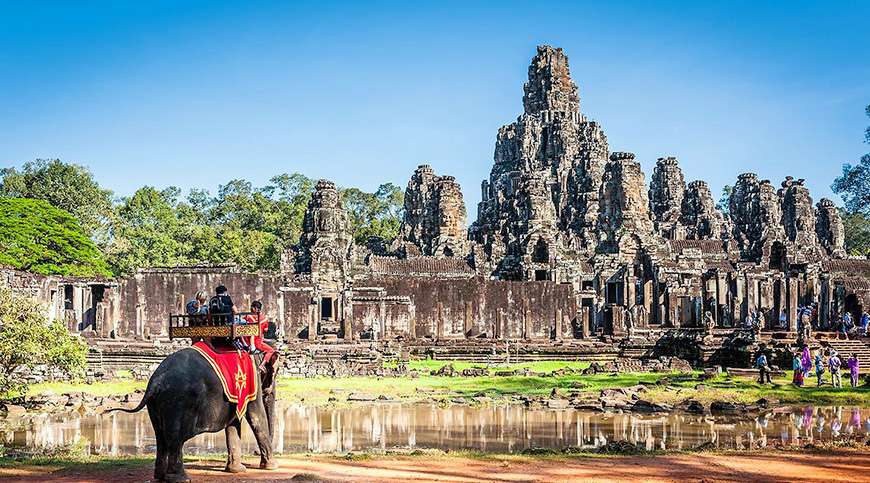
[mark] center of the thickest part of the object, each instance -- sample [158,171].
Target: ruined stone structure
[434,223]
[570,253]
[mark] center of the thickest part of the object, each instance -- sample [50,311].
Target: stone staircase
[845,348]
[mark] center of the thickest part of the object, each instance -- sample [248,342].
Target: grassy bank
[675,388]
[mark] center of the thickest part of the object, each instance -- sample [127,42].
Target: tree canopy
[70,187]
[40,238]
[854,186]
[242,223]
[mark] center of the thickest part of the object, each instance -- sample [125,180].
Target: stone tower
[829,228]
[798,217]
[434,223]
[698,214]
[326,245]
[543,191]
[624,202]
[666,190]
[756,215]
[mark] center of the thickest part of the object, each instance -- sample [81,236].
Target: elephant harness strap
[235,369]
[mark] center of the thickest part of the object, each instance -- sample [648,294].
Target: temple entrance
[326,308]
[853,306]
[542,275]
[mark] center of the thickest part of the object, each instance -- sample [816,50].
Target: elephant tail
[138,408]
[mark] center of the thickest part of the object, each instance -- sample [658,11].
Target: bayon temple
[571,253]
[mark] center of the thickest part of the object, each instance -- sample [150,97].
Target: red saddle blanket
[235,369]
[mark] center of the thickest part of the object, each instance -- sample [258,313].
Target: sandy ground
[845,466]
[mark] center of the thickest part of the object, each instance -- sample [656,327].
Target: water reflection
[494,429]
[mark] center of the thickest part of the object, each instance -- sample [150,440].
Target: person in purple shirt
[852,364]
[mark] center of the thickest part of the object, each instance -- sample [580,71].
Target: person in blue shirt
[763,369]
[820,369]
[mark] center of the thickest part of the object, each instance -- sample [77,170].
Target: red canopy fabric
[235,369]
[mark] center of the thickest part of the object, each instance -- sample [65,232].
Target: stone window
[542,275]
[68,297]
[326,309]
[541,253]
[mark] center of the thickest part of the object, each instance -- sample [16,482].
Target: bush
[27,339]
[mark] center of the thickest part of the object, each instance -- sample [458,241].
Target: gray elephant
[185,398]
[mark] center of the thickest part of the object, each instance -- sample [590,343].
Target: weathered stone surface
[624,202]
[829,228]
[698,214]
[666,191]
[325,249]
[434,222]
[542,194]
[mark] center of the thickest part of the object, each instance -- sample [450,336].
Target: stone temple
[570,254]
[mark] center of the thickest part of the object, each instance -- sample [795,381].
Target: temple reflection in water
[489,429]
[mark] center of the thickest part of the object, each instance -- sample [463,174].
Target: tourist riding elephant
[185,398]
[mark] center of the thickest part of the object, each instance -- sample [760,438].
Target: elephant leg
[161,460]
[175,472]
[234,447]
[260,426]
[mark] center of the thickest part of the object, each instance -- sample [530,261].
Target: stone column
[78,306]
[557,325]
[439,322]
[347,315]
[792,303]
[527,321]
[382,316]
[313,317]
[412,322]
[469,320]
[584,317]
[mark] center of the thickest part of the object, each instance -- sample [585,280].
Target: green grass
[316,391]
[116,387]
[678,388]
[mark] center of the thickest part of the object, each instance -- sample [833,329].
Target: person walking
[820,369]
[834,364]
[763,369]
[798,378]
[865,323]
[852,364]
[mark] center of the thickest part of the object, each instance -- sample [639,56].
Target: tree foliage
[39,238]
[70,187]
[853,185]
[725,200]
[374,215]
[242,224]
[27,339]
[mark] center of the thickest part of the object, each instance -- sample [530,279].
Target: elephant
[185,398]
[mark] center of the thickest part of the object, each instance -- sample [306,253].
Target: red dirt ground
[839,466]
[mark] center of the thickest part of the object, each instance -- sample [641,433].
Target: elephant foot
[177,478]
[269,465]
[236,468]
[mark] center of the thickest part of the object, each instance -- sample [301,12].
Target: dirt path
[842,466]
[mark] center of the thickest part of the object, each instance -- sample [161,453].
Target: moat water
[490,429]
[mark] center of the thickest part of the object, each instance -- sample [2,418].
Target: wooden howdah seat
[211,325]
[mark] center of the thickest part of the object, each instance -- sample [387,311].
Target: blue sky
[193,94]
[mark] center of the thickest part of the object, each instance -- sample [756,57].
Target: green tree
[377,214]
[149,231]
[853,185]
[725,199]
[69,187]
[27,339]
[39,238]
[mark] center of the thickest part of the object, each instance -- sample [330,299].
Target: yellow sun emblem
[240,380]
